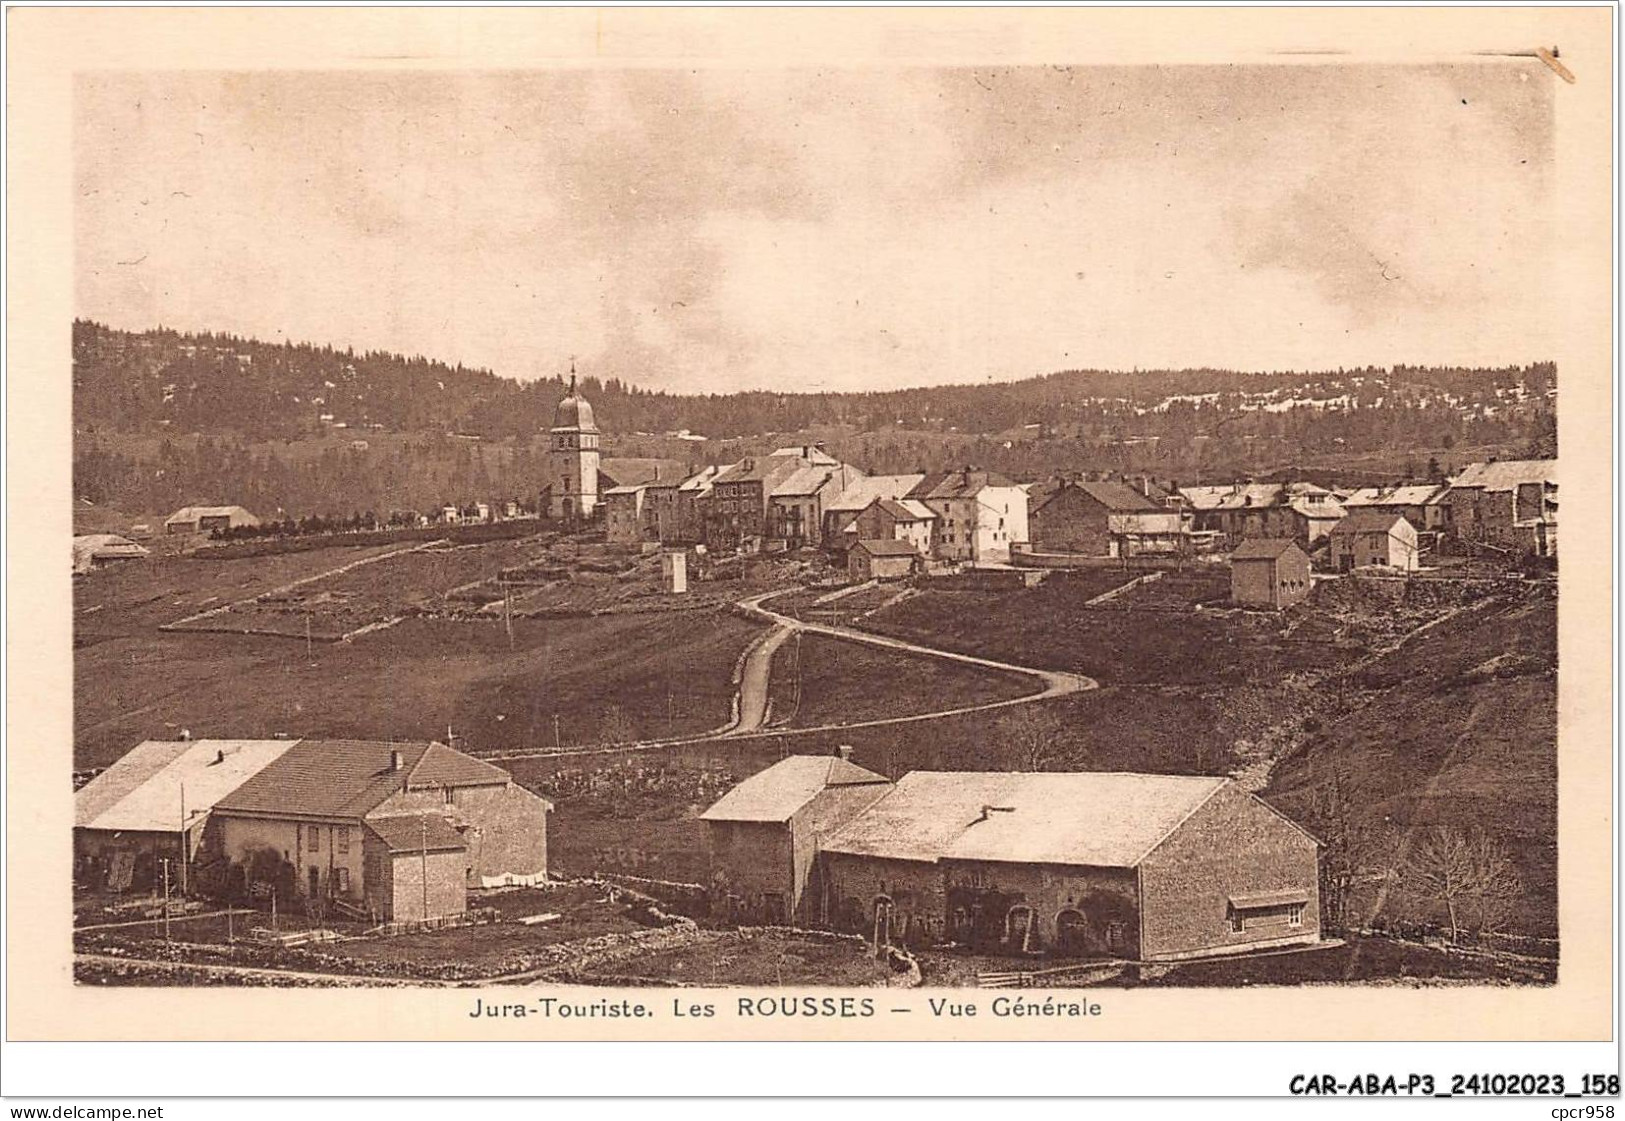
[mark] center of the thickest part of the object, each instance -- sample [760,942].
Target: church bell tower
[572,457]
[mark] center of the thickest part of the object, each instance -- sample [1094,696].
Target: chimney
[220,756]
[397,761]
[844,751]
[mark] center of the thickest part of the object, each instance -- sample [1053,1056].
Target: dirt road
[753,687]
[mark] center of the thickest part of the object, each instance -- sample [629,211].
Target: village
[750,840]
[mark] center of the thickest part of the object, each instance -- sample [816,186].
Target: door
[1071,933]
[315,882]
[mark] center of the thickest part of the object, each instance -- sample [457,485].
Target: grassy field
[1457,728]
[751,957]
[820,680]
[1049,627]
[652,675]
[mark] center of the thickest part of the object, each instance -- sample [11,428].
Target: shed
[1269,572]
[881,559]
[207,519]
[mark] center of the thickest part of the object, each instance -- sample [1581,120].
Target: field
[646,674]
[750,957]
[819,680]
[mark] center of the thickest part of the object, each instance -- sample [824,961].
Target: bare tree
[1033,733]
[1469,872]
[617,727]
[1358,848]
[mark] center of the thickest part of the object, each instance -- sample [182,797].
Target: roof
[811,454]
[907,510]
[770,469]
[636,488]
[701,480]
[967,483]
[1109,493]
[147,788]
[1263,548]
[627,471]
[1507,474]
[573,412]
[349,778]
[806,480]
[92,547]
[860,492]
[187,514]
[1104,820]
[417,833]
[1328,508]
[778,792]
[884,547]
[1368,521]
[1410,494]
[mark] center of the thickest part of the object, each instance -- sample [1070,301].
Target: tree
[617,727]
[1032,732]
[1469,872]
[1356,848]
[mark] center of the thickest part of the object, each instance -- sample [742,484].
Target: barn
[763,836]
[1129,866]
[1269,572]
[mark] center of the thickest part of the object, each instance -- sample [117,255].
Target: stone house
[1130,866]
[1374,537]
[798,502]
[1103,518]
[1269,572]
[890,519]
[331,822]
[1510,504]
[840,510]
[763,836]
[979,515]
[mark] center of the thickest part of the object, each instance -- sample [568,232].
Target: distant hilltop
[162,381]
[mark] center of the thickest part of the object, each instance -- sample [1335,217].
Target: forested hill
[163,382]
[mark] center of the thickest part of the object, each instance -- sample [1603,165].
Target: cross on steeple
[572,373]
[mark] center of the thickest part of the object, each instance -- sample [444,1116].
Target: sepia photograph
[962,527]
[780,530]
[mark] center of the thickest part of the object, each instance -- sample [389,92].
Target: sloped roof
[1329,508]
[814,456]
[804,481]
[958,484]
[1115,496]
[768,469]
[627,471]
[1263,548]
[348,778]
[1507,474]
[1233,496]
[778,792]
[1104,820]
[147,788]
[1411,494]
[860,492]
[701,480]
[187,514]
[1368,521]
[417,833]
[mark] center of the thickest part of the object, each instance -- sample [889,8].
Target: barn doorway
[1019,929]
[883,908]
[1071,933]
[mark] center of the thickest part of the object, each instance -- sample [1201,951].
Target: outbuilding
[207,519]
[1269,572]
[881,559]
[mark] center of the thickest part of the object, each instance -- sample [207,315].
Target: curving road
[751,706]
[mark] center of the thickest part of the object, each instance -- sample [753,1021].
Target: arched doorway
[1020,933]
[1071,933]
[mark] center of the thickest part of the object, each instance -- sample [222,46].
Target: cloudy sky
[719,229]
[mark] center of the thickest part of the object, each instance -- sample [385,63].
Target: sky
[713,230]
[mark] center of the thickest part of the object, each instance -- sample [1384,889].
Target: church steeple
[572,456]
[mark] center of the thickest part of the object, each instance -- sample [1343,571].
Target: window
[449,793]
[315,838]
[341,880]
[1294,915]
[341,838]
